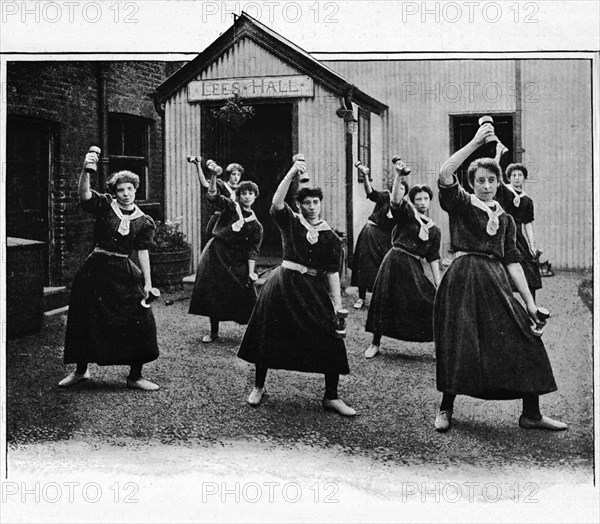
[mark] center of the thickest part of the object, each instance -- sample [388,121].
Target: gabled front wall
[320,136]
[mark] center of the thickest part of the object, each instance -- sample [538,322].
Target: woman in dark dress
[402,303]
[227,188]
[519,205]
[107,324]
[224,287]
[374,241]
[293,325]
[484,343]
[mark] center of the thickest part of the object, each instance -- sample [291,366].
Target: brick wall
[66,94]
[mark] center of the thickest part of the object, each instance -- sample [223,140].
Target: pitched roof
[247,27]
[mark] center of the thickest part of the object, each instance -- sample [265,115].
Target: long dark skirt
[529,264]
[372,245]
[106,323]
[402,303]
[222,290]
[293,326]
[484,345]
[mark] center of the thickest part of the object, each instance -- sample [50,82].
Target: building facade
[149,116]
[55,111]
[423,110]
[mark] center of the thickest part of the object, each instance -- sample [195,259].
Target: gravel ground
[200,412]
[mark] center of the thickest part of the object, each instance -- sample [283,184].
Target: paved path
[194,451]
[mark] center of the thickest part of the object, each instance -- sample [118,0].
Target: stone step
[55,298]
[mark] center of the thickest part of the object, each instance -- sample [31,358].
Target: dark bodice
[106,235]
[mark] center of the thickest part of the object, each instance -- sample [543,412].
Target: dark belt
[109,253]
[406,252]
[300,268]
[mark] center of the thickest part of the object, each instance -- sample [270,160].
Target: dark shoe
[74,378]
[443,421]
[143,384]
[338,406]
[256,396]
[543,423]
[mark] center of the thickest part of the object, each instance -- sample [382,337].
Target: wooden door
[29,162]
[263,146]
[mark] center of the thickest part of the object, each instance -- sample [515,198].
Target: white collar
[312,232]
[424,221]
[239,223]
[493,221]
[232,194]
[518,196]
[125,219]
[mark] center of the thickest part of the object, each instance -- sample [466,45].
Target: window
[128,138]
[364,137]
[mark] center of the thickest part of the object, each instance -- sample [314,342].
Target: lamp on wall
[347,113]
[350,121]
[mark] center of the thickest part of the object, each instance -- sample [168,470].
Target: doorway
[30,159]
[263,146]
[463,129]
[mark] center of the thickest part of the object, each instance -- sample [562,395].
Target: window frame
[122,119]
[364,136]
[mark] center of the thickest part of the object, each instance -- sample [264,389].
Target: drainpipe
[102,76]
[346,113]
[160,109]
[518,131]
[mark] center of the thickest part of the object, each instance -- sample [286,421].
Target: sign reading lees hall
[255,87]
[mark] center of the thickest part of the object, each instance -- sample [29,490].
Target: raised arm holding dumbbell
[109,322]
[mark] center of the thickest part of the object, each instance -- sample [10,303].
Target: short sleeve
[402,212]
[97,204]
[511,253]
[220,202]
[528,212]
[145,237]
[376,196]
[453,197]
[282,217]
[433,250]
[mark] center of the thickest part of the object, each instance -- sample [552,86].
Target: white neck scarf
[239,223]
[312,232]
[125,219]
[518,196]
[232,194]
[425,222]
[493,222]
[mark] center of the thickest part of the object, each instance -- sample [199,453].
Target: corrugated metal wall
[322,140]
[182,189]
[557,138]
[556,129]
